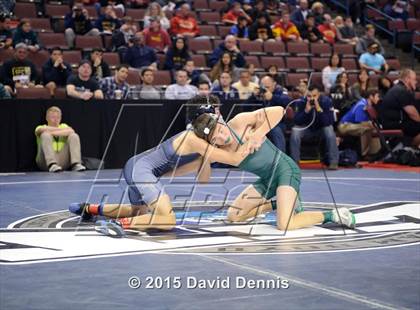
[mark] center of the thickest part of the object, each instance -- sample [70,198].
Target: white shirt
[178,92]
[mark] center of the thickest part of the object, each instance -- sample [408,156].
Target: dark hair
[143,72]
[340,76]
[370,92]
[339,60]
[241,18]
[204,126]
[23,21]
[204,83]
[270,66]
[313,87]
[96,49]
[119,67]
[381,86]
[56,48]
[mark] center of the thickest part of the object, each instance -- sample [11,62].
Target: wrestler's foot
[111,228]
[344,217]
[80,208]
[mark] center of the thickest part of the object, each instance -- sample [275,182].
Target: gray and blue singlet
[142,172]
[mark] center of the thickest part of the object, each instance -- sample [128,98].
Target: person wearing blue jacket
[55,71]
[25,34]
[77,22]
[139,55]
[229,45]
[314,117]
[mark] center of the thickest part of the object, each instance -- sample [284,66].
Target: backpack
[405,156]
[347,158]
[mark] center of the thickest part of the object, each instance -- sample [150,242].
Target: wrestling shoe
[111,228]
[80,208]
[344,217]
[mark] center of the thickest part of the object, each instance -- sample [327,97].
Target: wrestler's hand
[253,141]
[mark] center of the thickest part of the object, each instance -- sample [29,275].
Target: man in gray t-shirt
[181,90]
[146,90]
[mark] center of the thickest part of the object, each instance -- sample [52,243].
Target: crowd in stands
[158,54]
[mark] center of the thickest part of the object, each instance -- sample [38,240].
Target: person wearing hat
[82,85]
[373,61]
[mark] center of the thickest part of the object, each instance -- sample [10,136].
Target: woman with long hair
[225,64]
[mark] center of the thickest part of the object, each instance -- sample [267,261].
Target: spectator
[7,6]
[156,37]
[117,5]
[261,30]
[77,22]
[271,95]
[146,90]
[183,23]
[360,88]
[121,37]
[100,69]
[399,109]
[241,29]
[356,123]
[223,89]
[236,11]
[318,12]
[195,76]
[340,94]
[55,71]
[204,88]
[4,94]
[330,72]
[372,61]
[259,9]
[25,34]
[229,45]
[225,64]
[139,55]
[384,84]
[369,38]
[58,144]
[181,90]
[345,30]
[309,32]
[397,9]
[302,87]
[177,55]
[299,15]
[279,78]
[6,40]
[272,7]
[108,22]
[285,30]
[314,117]
[251,69]
[82,85]
[154,11]
[328,30]
[116,87]
[139,4]
[19,71]
[244,86]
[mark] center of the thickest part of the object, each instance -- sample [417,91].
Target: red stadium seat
[251,47]
[316,79]
[39,58]
[33,93]
[56,11]
[212,18]
[267,61]
[133,77]
[6,54]
[298,64]
[344,50]
[275,48]
[396,25]
[321,49]
[350,64]
[209,30]
[60,93]
[394,64]
[413,24]
[253,60]
[199,61]
[25,10]
[41,24]
[112,59]
[224,31]
[162,78]
[91,11]
[298,48]
[200,5]
[88,42]
[293,79]
[49,40]
[72,57]
[217,6]
[136,14]
[201,46]
[319,63]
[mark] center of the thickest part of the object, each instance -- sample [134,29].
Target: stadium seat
[293,79]
[41,24]
[344,50]
[253,60]
[413,24]
[209,30]
[162,78]
[217,6]
[321,49]
[201,5]
[298,48]
[133,77]
[161,60]
[112,59]
[6,54]
[136,14]
[91,11]
[60,93]
[88,42]
[251,47]
[211,18]
[396,25]
[72,57]
[56,11]
[49,40]
[39,58]
[25,10]
[266,61]
[319,63]
[394,64]
[33,92]
[200,46]
[224,31]
[298,64]
[316,79]
[275,48]
[199,61]
[382,133]
[350,64]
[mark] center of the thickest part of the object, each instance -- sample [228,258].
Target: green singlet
[273,167]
